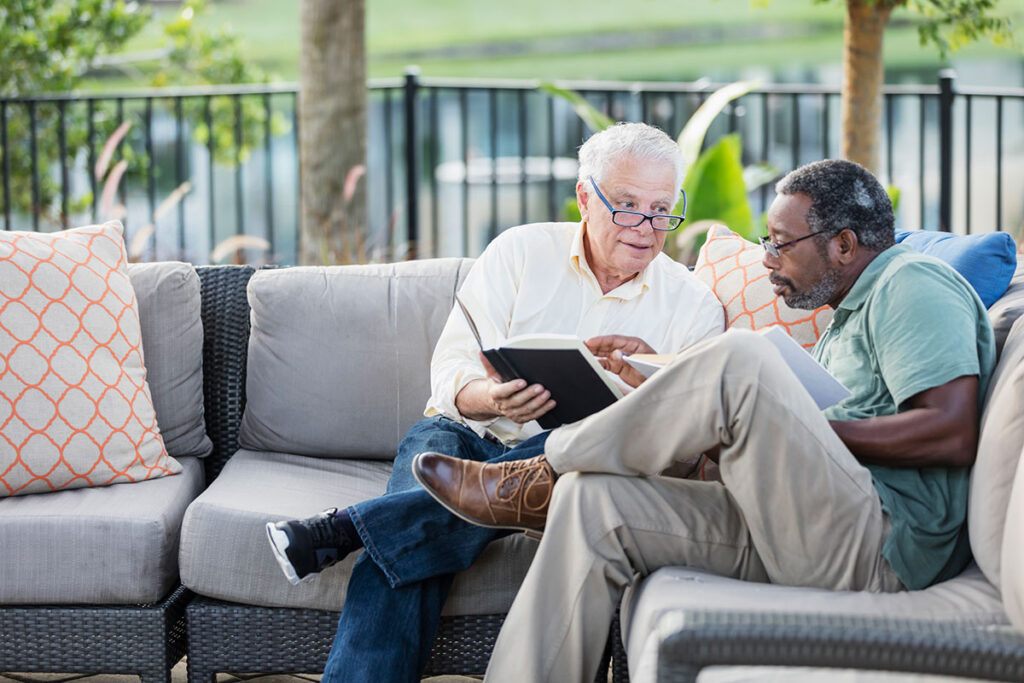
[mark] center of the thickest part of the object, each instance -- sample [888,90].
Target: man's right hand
[483,399]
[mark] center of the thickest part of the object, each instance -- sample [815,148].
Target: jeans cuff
[371,549]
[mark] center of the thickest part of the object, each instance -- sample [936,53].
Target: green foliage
[894,196]
[51,45]
[951,24]
[571,211]
[47,45]
[691,137]
[715,188]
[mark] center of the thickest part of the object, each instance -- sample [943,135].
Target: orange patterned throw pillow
[731,267]
[75,408]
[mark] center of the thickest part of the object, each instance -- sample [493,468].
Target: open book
[825,389]
[559,362]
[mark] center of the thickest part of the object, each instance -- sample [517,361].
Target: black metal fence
[452,162]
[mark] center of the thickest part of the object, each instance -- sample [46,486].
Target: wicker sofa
[90,577]
[317,393]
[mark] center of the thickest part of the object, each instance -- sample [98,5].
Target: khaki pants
[796,507]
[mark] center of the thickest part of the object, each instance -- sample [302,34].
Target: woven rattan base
[226,637]
[231,638]
[144,640]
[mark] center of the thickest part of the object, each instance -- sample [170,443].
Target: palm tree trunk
[863,76]
[332,130]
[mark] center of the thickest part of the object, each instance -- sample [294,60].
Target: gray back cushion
[1010,306]
[339,357]
[1012,577]
[172,347]
[999,447]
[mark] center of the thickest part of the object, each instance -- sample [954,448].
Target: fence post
[412,166]
[946,95]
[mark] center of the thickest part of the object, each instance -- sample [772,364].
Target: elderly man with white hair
[603,280]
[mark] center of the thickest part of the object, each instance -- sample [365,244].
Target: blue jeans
[414,547]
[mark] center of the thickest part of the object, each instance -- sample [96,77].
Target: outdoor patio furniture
[335,370]
[334,365]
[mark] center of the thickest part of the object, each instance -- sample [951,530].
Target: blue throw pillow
[985,260]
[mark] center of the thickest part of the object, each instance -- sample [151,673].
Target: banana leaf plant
[716,182]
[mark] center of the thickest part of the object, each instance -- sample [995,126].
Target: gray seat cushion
[969,598]
[110,545]
[172,346]
[225,555]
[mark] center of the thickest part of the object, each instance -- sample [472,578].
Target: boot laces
[326,533]
[519,479]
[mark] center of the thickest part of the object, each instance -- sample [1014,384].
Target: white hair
[639,140]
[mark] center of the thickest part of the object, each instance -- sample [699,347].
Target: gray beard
[818,295]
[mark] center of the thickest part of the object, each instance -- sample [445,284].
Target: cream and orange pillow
[75,408]
[731,267]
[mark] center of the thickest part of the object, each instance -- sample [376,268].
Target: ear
[582,199]
[845,247]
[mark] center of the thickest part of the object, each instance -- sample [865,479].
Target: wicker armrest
[693,639]
[225,312]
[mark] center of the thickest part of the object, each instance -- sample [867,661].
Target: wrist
[474,401]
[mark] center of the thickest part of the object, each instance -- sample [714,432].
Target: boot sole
[534,534]
[279,544]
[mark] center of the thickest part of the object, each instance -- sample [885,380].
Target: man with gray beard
[869,494]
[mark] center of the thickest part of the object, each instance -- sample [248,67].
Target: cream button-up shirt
[536,279]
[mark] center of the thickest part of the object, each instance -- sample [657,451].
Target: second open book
[825,389]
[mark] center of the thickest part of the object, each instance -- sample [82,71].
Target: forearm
[921,437]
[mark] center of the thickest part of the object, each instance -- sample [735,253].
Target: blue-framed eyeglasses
[773,249]
[631,219]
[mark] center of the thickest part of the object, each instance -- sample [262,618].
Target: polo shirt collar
[858,294]
[578,263]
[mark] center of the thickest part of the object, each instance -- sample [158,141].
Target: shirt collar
[578,263]
[866,280]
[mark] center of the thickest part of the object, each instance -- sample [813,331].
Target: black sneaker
[305,547]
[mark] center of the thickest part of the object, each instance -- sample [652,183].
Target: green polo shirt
[911,323]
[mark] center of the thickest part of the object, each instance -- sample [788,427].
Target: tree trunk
[332,131]
[863,76]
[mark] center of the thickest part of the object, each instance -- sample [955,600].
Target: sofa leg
[199,675]
[162,675]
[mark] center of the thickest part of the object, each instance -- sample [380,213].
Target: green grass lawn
[400,32]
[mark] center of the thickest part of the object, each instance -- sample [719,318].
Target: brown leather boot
[506,495]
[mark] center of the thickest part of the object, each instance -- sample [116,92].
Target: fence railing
[452,162]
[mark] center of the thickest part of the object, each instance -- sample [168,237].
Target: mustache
[779,280]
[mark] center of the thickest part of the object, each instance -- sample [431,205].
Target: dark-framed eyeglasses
[631,219]
[773,249]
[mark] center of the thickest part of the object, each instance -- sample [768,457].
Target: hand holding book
[579,385]
[517,400]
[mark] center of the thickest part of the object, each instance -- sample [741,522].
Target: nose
[768,261]
[640,227]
